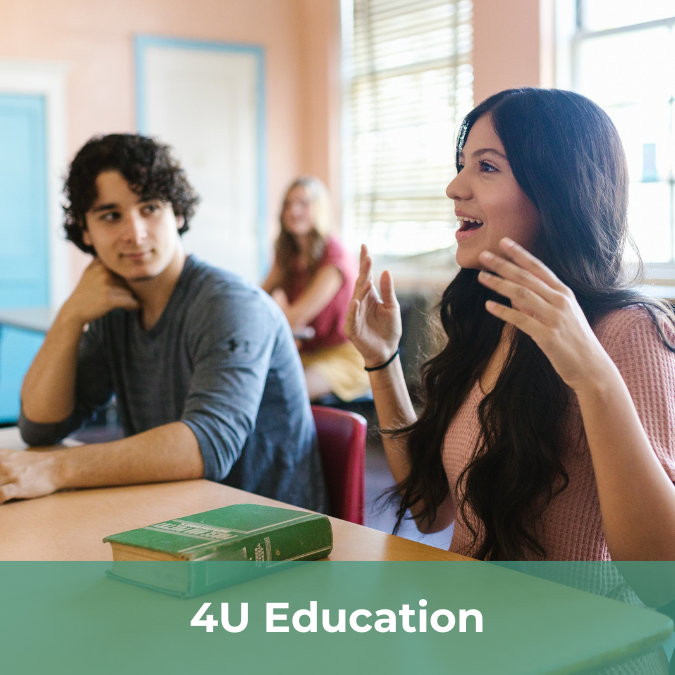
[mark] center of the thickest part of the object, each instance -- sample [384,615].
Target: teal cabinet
[24,236]
[17,350]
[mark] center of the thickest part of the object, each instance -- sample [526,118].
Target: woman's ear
[180,221]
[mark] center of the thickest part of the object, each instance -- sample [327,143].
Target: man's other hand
[29,473]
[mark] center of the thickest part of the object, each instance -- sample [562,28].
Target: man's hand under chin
[29,473]
[99,291]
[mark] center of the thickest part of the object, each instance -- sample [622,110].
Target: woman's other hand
[545,309]
[373,324]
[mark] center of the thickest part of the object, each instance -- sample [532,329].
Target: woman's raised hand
[373,324]
[545,309]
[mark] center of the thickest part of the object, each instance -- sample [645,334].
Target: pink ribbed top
[571,526]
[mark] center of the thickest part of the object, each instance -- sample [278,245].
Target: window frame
[570,35]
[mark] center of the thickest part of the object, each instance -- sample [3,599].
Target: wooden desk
[532,626]
[71,525]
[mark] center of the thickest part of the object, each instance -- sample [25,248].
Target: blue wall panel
[24,228]
[17,351]
[24,235]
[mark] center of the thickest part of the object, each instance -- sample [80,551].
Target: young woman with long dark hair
[548,425]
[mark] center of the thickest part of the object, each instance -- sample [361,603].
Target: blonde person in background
[312,280]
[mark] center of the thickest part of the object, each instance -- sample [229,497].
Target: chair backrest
[342,444]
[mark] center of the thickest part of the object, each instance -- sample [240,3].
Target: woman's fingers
[518,275]
[365,263]
[350,318]
[519,319]
[364,284]
[521,297]
[525,260]
[364,281]
[387,290]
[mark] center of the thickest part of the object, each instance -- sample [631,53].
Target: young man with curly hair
[203,365]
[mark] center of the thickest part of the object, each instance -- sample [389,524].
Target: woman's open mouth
[467,227]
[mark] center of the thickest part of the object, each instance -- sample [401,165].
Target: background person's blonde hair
[320,209]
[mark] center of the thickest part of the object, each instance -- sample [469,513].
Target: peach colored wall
[506,52]
[301,41]
[300,37]
[320,112]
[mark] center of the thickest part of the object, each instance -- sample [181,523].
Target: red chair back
[342,444]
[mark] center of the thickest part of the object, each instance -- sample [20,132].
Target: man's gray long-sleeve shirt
[222,360]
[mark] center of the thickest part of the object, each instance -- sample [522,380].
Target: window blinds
[408,84]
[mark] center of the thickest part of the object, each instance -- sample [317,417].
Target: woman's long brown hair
[568,159]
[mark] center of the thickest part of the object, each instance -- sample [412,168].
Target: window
[624,59]
[408,83]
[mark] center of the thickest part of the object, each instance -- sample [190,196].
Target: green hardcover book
[185,556]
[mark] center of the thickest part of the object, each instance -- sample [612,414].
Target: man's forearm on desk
[166,453]
[169,452]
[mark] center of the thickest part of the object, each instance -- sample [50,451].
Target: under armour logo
[233,345]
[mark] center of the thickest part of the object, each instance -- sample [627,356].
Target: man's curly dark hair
[148,167]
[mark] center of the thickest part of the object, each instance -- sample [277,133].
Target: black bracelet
[385,364]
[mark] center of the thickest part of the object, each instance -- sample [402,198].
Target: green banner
[334,617]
